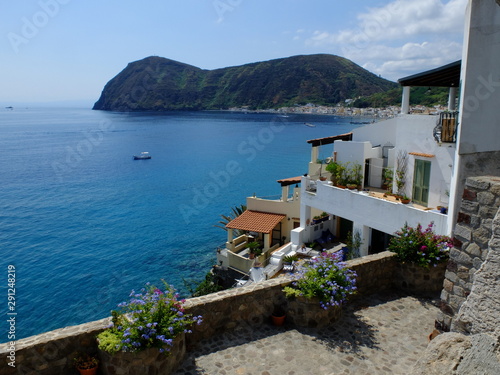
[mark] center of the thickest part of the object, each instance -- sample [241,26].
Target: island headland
[160,84]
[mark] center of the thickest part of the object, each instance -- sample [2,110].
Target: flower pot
[90,371]
[149,361]
[405,201]
[351,186]
[278,320]
[307,312]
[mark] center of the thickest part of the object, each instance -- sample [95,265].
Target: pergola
[256,221]
[444,76]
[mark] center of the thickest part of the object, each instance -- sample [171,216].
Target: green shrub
[422,247]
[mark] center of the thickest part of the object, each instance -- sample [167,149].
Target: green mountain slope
[156,83]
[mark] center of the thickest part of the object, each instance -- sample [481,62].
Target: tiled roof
[290,181]
[256,221]
[422,154]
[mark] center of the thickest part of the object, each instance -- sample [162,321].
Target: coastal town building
[424,154]
[417,150]
[411,155]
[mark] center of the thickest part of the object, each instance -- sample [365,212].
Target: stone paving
[382,334]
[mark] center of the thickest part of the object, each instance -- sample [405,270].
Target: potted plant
[254,249]
[423,257]
[405,199]
[387,179]
[326,279]
[289,259]
[340,176]
[353,243]
[332,168]
[86,364]
[324,216]
[421,247]
[356,175]
[152,322]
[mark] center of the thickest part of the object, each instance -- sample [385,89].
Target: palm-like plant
[235,212]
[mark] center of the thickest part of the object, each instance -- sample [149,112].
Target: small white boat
[142,156]
[309,124]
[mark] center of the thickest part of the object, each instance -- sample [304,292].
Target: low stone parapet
[52,352]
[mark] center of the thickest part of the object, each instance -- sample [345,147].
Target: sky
[67,50]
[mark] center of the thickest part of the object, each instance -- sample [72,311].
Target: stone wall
[52,352]
[473,231]
[471,294]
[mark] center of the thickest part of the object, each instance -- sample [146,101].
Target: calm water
[83,223]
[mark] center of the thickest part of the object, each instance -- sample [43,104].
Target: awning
[256,221]
[329,140]
[290,181]
[444,76]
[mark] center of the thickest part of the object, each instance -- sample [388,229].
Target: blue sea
[84,224]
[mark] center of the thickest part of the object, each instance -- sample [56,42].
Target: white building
[436,153]
[438,159]
[422,147]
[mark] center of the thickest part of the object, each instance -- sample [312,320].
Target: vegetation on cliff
[158,84]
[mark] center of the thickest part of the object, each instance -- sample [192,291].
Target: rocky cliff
[158,84]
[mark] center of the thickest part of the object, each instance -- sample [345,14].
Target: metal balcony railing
[446,128]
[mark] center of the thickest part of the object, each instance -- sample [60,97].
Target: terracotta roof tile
[422,154]
[256,221]
[290,181]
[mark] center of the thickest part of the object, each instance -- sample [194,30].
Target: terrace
[371,208]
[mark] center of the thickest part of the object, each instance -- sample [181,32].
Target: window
[421,181]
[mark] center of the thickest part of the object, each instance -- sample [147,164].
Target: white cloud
[400,38]
[401,19]
[396,62]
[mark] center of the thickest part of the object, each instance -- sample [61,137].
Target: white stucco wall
[479,129]
[414,134]
[372,212]
[479,122]
[380,133]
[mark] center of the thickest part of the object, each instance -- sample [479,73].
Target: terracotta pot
[405,201]
[90,371]
[278,320]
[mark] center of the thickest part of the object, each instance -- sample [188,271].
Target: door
[379,241]
[366,182]
[421,181]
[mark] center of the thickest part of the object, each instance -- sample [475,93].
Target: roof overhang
[444,76]
[290,181]
[256,221]
[329,140]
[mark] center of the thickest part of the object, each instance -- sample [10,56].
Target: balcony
[371,209]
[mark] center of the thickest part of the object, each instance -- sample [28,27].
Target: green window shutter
[421,182]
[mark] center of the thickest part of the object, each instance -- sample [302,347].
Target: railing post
[452,99]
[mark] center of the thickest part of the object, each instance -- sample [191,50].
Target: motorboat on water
[142,156]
